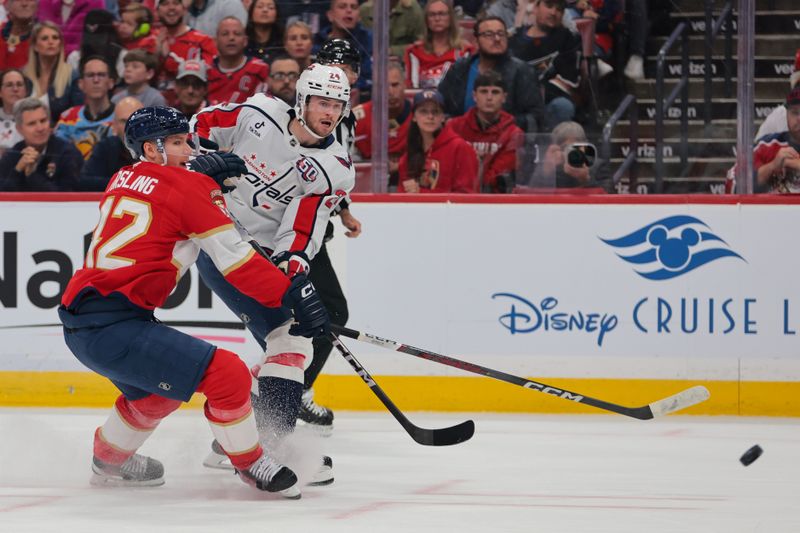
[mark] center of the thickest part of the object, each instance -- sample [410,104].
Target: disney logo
[527,317]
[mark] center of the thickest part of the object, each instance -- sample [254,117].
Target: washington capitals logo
[346,162]
[671,247]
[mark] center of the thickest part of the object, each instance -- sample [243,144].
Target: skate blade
[322,431]
[321,483]
[323,476]
[102,480]
[292,493]
[217,461]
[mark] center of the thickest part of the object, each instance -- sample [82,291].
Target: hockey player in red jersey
[155,217]
[298,175]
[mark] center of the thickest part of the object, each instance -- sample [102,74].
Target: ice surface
[581,474]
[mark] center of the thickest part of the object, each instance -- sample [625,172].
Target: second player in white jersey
[291,190]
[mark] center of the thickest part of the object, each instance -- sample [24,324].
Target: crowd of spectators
[478,79]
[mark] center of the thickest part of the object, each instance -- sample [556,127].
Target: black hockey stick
[682,400]
[428,437]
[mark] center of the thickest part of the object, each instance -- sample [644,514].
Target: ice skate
[315,416]
[216,458]
[136,471]
[269,475]
[324,475]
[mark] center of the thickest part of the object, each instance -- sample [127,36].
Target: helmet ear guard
[324,81]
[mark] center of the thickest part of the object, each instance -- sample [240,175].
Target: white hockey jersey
[290,191]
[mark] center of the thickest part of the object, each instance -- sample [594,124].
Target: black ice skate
[271,476]
[314,415]
[137,471]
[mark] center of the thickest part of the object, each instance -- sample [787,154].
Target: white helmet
[321,80]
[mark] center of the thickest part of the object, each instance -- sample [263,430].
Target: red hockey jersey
[450,166]
[424,70]
[190,45]
[238,85]
[496,146]
[154,220]
[398,130]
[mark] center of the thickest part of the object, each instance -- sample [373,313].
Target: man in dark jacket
[110,154]
[524,98]
[41,161]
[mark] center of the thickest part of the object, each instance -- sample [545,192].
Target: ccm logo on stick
[554,391]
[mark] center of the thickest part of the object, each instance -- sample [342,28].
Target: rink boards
[609,296]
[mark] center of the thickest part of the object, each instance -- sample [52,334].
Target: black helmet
[340,52]
[152,124]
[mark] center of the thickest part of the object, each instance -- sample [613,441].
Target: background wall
[628,302]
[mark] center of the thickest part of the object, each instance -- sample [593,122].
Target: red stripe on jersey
[287,359]
[260,280]
[304,222]
[216,118]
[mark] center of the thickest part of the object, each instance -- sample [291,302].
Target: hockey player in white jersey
[297,176]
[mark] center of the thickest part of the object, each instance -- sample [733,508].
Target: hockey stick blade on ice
[682,400]
[427,437]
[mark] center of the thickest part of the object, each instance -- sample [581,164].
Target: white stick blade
[679,401]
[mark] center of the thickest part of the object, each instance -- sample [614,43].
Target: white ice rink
[518,473]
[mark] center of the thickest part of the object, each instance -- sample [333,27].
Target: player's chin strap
[309,130]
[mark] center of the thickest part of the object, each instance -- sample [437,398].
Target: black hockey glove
[311,317]
[219,166]
[291,263]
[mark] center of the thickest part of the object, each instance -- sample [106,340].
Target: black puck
[751,455]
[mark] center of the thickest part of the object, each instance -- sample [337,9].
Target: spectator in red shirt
[16,33]
[399,120]
[427,60]
[299,41]
[177,41]
[135,29]
[437,160]
[777,156]
[234,77]
[492,133]
[264,30]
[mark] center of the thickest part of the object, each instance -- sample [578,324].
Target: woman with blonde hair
[426,61]
[50,74]
[298,41]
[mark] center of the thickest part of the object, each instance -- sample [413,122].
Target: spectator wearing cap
[554,52]
[282,80]
[492,133]
[84,125]
[399,121]
[205,15]
[776,157]
[12,90]
[191,87]
[40,161]
[69,17]
[110,154]
[406,23]
[437,160]
[178,42]
[15,34]
[234,77]
[776,120]
[344,22]
[524,99]
[140,68]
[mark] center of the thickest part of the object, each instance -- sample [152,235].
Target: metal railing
[631,163]
[663,104]
[713,28]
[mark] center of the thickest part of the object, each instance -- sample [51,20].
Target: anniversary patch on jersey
[307,170]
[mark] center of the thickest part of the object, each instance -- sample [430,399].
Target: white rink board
[445,277]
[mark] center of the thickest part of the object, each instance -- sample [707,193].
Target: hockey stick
[428,437]
[682,400]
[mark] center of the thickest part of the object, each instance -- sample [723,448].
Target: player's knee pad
[147,412]
[226,384]
[287,356]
